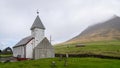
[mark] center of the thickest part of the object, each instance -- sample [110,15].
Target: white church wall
[38,34]
[50,53]
[22,51]
[18,51]
[14,52]
[44,53]
[29,49]
[39,53]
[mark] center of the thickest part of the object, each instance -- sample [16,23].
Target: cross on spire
[37,11]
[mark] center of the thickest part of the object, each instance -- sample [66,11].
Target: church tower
[37,30]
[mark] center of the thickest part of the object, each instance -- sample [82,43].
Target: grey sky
[63,19]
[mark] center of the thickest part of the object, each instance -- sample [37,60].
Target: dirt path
[8,59]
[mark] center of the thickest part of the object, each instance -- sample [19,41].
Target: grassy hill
[104,31]
[100,39]
[71,63]
[107,48]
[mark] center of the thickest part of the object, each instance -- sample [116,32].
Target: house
[36,45]
[7,50]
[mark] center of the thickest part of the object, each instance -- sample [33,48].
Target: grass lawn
[71,63]
[109,48]
[5,55]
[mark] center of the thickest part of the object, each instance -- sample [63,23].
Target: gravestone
[53,64]
[60,59]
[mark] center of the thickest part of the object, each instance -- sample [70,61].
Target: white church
[36,45]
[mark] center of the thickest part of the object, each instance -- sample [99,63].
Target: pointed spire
[37,23]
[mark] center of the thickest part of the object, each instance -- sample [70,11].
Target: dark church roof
[37,24]
[24,41]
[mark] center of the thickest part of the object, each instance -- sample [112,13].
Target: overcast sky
[63,19]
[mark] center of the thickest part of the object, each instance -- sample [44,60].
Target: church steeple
[37,23]
[37,30]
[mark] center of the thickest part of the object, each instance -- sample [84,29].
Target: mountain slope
[108,30]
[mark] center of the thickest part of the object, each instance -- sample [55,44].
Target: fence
[87,55]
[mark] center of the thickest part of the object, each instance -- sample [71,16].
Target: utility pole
[50,39]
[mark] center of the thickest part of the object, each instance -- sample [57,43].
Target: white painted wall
[38,34]
[18,51]
[44,53]
[29,49]
[14,52]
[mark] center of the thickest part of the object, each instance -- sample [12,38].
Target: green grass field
[109,48]
[71,63]
[5,55]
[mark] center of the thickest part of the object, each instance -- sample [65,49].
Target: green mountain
[104,31]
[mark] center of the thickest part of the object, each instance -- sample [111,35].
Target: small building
[7,50]
[80,45]
[36,45]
